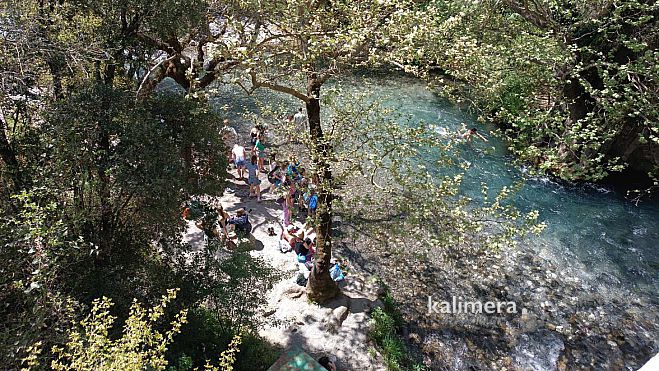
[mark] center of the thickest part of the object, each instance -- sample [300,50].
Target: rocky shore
[562,322]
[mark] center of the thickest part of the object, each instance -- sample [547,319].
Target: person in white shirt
[299,119]
[238,156]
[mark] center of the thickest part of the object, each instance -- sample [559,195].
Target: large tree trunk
[8,155]
[105,226]
[320,286]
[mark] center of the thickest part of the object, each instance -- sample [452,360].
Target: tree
[573,83]
[295,48]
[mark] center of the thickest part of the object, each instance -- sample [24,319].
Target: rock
[340,314]
[292,292]
[269,311]
[415,338]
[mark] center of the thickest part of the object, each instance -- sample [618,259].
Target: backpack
[336,273]
[301,280]
[313,202]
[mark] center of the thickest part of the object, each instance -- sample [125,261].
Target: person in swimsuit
[467,135]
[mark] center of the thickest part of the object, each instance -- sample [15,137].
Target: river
[595,237]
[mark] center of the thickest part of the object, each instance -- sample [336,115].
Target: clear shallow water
[589,228]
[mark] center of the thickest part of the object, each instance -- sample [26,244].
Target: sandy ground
[337,329]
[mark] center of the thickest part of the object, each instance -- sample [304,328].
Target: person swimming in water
[467,135]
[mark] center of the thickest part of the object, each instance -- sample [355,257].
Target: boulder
[340,314]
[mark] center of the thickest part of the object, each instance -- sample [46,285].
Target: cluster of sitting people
[215,222]
[291,182]
[298,240]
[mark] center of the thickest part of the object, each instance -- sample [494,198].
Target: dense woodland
[96,161]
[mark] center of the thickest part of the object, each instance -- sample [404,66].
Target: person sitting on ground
[289,234]
[470,133]
[301,247]
[222,218]
[238,155]
[325,362]
[253,179]
[241,223]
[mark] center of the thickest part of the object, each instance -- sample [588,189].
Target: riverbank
[562,321]
[338,329]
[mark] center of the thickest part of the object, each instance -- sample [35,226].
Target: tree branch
[276,87]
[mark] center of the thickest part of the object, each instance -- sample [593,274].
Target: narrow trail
[339,328]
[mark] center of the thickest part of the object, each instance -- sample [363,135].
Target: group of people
[295,187]
[286,178]
[291,180]
[296,190]
[219,227]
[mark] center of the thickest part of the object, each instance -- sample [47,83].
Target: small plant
[140,347]
[385,324]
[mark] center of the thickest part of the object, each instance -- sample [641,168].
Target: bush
[140,347]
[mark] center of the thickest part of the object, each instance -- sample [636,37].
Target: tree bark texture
[320,287]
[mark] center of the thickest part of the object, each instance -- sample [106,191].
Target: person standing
[253,135]
[253,179]
[261,153]
[286,202]
[238,155]
[229,136]
[299,119]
